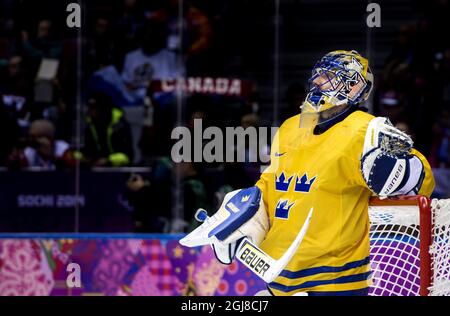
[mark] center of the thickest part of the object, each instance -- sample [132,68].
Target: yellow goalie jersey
[323,172]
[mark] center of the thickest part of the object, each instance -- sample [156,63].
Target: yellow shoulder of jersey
[428,183]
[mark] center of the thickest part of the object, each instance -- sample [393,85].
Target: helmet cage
[337,85]
[339,80]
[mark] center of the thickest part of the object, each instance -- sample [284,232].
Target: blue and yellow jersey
[323,172]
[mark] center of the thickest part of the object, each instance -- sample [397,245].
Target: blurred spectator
[100,48]
[9,133]
[252,121]
[61,116]
[15,82]
[153,200]
[15,91]
[108,139]
[194,39]
[43,45]
[42,150]
[151,204]
[155,137]
[152,61]
[255,154]
[7,23]
[404,127]
[402,49]
[194,192]
[440,153]
[197,27]
[126,28]
[149,132]
[442,65]
[107,80]
[392,105]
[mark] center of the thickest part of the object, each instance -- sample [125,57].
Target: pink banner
[117,266]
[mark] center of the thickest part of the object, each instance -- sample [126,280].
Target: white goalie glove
[387,165]
[383,135]
[242,214]
[237,229]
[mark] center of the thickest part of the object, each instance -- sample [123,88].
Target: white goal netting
[395,240]
[440,248]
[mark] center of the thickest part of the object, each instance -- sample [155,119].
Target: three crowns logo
[302,184]
[245,198]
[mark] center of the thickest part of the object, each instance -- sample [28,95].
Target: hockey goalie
[304,226]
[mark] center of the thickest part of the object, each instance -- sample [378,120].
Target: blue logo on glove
[241,207]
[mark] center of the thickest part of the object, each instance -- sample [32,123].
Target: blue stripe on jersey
[308,284]
[324,269]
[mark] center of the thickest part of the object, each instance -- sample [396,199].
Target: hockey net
[410,246]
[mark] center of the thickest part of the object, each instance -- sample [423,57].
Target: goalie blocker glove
[242,214]
[387,165]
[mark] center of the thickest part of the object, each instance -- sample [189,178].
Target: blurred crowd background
[86,114]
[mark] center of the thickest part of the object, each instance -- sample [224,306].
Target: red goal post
[410,246]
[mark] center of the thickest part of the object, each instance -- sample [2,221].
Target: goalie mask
[339,82]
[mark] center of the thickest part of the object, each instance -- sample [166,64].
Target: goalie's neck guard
[324,126]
